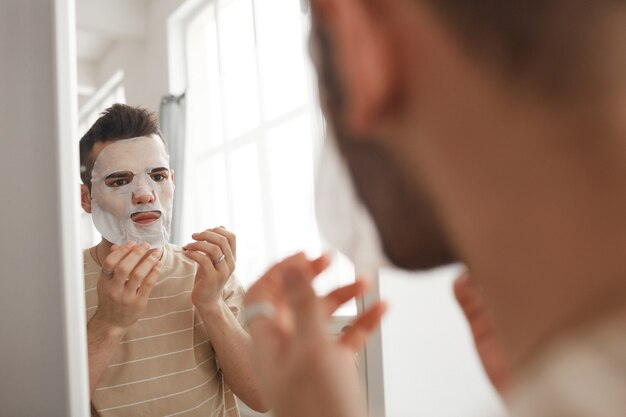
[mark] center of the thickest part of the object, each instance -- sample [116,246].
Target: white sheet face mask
[132,192]
[342,218]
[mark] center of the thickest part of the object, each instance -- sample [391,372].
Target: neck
[545,272]
[546,235]
[103,249]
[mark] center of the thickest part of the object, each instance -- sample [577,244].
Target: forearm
[233,348]
[102,341]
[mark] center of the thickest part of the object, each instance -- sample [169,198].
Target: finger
[115,257]
[230,236]
[147,284]
[221,242]
[304,303]
[202,260]
[472,304]
[220,246]
[462,285]
[467,295]
[355,336]
[481,327]
[309,269]
[225,267]
[342,295]
[128,264]
[320,264]
[270,286]
[142,270]
[205,254]
[469,299]
[211,250]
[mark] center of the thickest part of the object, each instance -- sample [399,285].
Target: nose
[143,197]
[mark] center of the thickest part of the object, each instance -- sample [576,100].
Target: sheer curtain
[172,119]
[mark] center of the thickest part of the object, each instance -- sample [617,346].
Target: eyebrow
[126,174]
[120,174]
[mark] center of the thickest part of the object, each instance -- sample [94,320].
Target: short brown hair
[118,122]
[547,40]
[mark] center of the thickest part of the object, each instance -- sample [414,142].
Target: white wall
[42,349]
[430,366]
[86,80]
[144,62]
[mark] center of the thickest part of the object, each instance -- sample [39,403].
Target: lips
[145,217]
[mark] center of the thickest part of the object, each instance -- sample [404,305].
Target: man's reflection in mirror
[163,331]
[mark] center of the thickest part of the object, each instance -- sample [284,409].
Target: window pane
[290,152]
[208,188]
[340,273]
[204,112]
[282,56]
[238,66]
[248,219]
[290,149]
[260,182]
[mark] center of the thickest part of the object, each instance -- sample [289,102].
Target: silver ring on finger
[105,272]
[219,260]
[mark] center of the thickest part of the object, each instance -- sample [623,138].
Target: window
[253,131]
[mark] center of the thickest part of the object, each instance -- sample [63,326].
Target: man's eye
[159,177]
[118,183]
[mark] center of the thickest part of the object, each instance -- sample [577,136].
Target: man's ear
[85,198]
[172,172]
[363,56]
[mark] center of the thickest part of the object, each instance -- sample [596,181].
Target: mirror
[232,85]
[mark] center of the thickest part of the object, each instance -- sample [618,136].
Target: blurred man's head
[451,114]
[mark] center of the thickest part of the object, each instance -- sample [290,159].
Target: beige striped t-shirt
[165,364]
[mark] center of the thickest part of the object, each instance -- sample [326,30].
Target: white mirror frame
[68,165]
[43,348]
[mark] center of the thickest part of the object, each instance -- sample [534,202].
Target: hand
[123,297]
[212,274]
[491,353]
[303,370]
